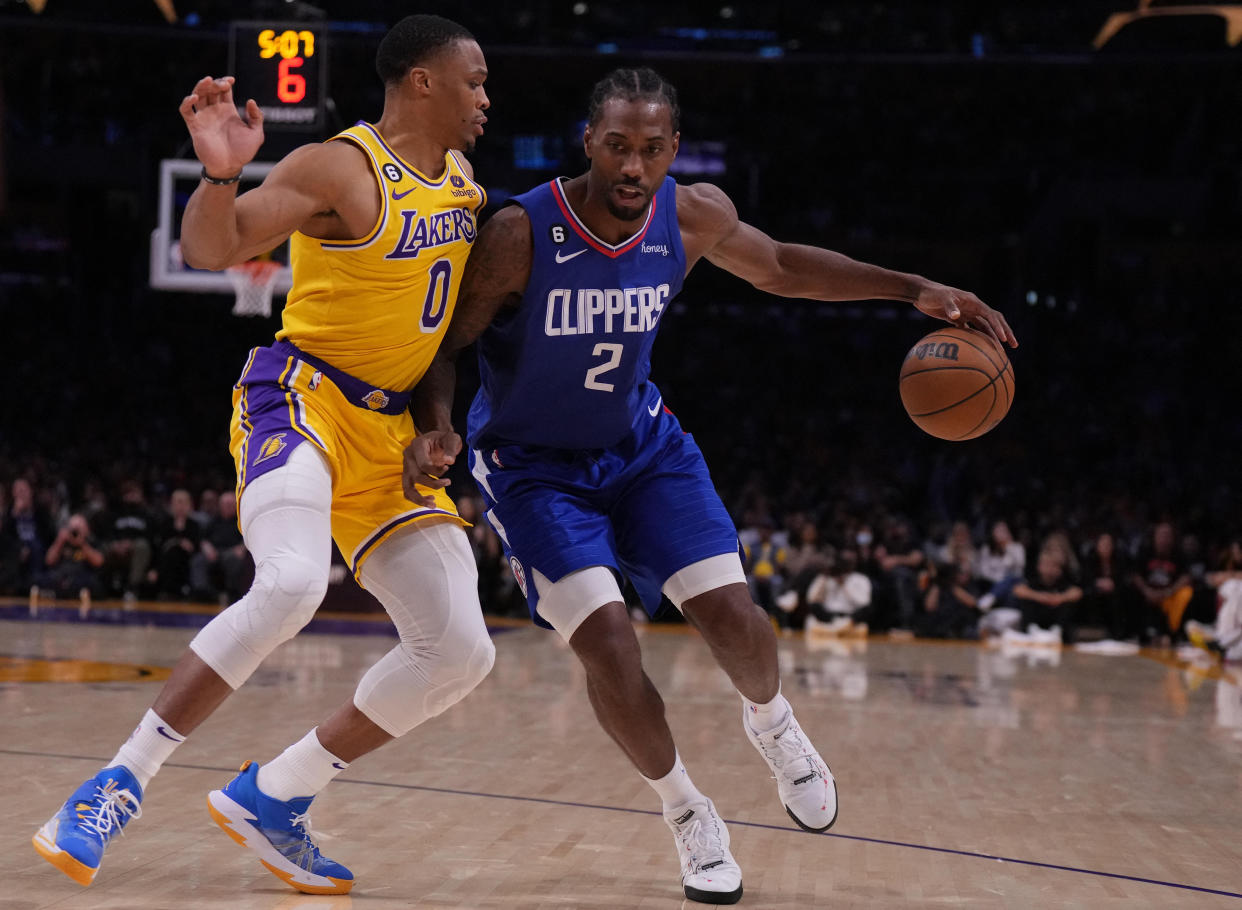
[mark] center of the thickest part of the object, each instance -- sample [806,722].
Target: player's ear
[676,143]
[419,79]
[586,141]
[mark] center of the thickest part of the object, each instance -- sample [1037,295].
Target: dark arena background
[1077,165]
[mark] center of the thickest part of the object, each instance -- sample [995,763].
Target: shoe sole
[75,869]
[832,821]
[235,819]
[713,897]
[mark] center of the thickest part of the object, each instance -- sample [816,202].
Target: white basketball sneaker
[709,873]
[806,786]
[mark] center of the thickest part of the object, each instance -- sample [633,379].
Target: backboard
[178,179]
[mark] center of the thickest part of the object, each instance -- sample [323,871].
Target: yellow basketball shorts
[286,397]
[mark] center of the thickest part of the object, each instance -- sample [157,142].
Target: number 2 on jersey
[613,351]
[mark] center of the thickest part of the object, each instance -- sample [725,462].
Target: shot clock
[283,67]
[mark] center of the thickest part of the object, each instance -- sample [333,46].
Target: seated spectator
[1224,635]
[805,558]
[1203,599]
[1058,544]
[32,526]
[179,539]
[1048,595]
[208,508]
[959,549]
[222,562]
[803,563]
[131,531]
[73,562]
[1002,563]
[838,599]
[10,558]
[899,559]
[950,610]
[765,560]
[1163,584]
[1106,598]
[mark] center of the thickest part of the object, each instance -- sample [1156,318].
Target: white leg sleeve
[703,576]
[567,603]
[427,581]
[286,522]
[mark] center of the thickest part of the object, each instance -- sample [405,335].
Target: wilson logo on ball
[942,351]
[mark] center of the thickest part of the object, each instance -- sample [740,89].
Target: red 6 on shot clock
[283,67]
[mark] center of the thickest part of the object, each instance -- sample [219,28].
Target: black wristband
[221,181]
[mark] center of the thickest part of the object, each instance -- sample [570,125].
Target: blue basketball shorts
[645,508]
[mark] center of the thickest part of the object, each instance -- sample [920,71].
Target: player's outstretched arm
[712,230]
[496,275]
[220,229]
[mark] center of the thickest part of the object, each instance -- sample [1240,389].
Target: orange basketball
[956,383]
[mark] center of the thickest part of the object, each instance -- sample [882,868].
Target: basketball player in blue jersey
[587,475]
[320,421]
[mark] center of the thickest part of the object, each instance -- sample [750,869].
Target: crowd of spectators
[831,568]
[974,581]
[116,544]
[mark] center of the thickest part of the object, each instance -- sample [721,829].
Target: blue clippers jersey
[568,367]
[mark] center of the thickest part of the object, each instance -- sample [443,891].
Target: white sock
[147,748]
[767,717]
[675,788]
[303,769]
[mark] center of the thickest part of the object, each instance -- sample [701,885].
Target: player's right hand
[425,460]
[223,141]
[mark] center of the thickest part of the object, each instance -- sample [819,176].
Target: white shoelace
[304,856]
[107,815]
[695,846]
[783,751]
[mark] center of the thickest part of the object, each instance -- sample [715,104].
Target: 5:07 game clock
[283,67]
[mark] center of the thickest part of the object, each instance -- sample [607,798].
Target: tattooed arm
[496,274]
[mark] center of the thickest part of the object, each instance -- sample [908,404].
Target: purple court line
[113,614]
[732,821]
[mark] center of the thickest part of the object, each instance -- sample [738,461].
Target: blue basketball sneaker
[279,832]
[74,838]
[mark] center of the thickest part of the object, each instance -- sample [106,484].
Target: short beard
[625,214]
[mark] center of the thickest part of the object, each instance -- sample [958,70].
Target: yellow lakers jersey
[378,307]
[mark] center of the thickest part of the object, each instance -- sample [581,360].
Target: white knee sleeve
[427,581]
[286,522]
[567,603]
[703,576]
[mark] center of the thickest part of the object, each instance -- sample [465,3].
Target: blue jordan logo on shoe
[73,840]
[278,832]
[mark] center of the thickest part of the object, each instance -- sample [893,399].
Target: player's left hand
[964,310]
[425,460]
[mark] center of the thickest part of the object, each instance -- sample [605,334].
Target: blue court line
[732,821]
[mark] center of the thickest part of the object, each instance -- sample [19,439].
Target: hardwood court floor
[968,778]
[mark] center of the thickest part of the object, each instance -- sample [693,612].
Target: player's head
[442,67]
[631,138]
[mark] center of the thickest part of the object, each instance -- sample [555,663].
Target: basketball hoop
[253,282]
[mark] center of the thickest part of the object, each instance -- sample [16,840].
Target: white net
[253,283]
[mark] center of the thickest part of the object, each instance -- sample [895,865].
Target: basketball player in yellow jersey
[381,219]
